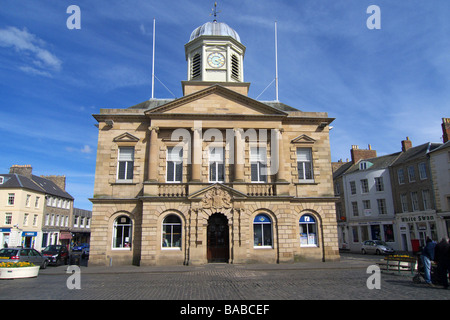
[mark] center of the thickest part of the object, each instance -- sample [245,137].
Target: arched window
[262,231]
[171,232]
[122,232]
[308,231]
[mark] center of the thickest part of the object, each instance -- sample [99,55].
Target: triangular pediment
[216,189]
[216,100]
[303,139]
[126,137]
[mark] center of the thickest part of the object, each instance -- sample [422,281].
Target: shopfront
[4,237]
[29,239]
[416,227]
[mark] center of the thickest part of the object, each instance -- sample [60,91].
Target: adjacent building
[34,210]
[214,175]
[400,198]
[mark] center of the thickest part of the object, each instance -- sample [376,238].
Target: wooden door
[218,249]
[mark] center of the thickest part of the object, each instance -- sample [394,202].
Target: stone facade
[212,199]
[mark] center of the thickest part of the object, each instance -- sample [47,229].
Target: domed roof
[214,29]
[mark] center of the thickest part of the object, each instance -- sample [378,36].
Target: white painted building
[369,203]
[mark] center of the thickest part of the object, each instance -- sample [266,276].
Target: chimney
[358,154]
[445,129]
[406,144]
[60,181]
[24,170]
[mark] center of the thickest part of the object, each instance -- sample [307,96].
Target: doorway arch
[218,244]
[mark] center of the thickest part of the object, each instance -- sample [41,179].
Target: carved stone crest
[216,198]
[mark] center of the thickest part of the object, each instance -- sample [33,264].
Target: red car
[56,254]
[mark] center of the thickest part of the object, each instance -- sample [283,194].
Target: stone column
[196,161]
[281,174]
[238,156]
[153,155]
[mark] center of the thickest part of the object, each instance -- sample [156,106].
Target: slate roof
[39,184]
[416,152]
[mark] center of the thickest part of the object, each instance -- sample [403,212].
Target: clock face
[216,60]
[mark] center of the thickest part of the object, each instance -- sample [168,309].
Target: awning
[65,235]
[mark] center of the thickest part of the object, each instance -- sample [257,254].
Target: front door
[218,240]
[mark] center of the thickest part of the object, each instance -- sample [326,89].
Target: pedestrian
[427,256]
[442,258]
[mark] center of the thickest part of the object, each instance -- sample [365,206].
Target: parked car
[82,248]
[24,255]
[376,247]
[56,254]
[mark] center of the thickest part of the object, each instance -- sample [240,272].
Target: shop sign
[417,218]
[29,234]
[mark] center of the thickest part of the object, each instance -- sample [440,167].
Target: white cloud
[39,60]
[86,149]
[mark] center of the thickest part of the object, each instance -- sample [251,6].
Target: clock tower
[215,54]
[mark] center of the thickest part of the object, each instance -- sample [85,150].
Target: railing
[261,190]
[172,190]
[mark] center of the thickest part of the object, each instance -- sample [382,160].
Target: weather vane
[214,11]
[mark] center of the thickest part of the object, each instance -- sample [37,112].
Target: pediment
[216,195]
[303,139]
[126,137]
[216,100]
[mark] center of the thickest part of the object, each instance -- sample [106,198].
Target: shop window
[308,231]
[122,233]
[171,236]
[262,231]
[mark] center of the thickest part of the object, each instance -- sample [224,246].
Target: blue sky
[380,85]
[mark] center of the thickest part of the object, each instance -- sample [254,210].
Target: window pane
[267,231]
[129,170]
[179,172]
[212,171]
[254,171]
[170,170]
[122,168]
[221,172]
[257,230]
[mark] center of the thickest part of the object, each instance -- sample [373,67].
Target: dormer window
[1,180]
[363,165]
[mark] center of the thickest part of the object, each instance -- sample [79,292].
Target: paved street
[301,281]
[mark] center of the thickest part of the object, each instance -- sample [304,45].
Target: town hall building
[213,176]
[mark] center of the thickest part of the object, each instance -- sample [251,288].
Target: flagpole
[276,63]
[153,61]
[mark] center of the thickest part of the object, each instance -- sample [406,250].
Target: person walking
[427,256]
[442,258]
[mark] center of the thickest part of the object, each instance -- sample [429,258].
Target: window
[125,164]
[352,187]
[35,220]
[216,164]
[304,164]
[411,174]
[174,164]
[366,207]
[404,202]
[262,231]
[355,234]
[11,197]
[47,219]
[401,176]
[355,209]
[196,66]
[8,218]
[379,185]
[171,236]
[122,233]
[415,201]
[364,186]
[388,233]
[36,203]
[75,221]
[25,219]
[426,199]
[258,164]
[1,180]
[422,171]
[27,201]
[235,67]
[381,206]
[308,231]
